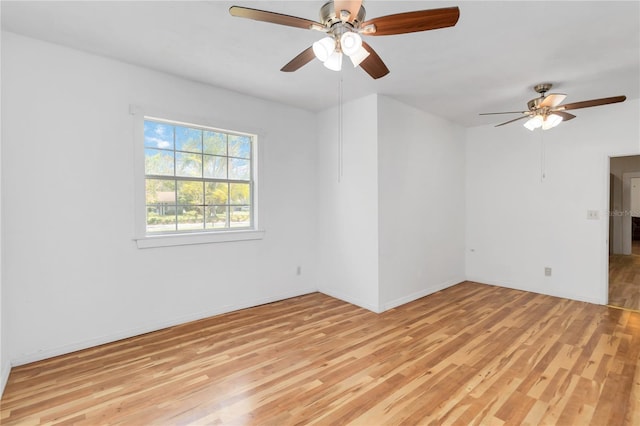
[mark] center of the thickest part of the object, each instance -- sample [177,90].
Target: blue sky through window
[158,135]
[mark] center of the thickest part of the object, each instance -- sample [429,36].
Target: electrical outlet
[547,271]
[299,270]
[593,214]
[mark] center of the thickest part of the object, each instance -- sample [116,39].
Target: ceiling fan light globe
[334,62]
[551,121]
[359,56]
[534,122]
[350,42]
[324,48]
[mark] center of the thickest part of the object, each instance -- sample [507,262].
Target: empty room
[355,212]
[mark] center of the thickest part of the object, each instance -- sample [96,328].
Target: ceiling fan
[343,21]
[546,111]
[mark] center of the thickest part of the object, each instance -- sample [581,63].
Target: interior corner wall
[72,275]
[421,161]
[528,194]
[347,203]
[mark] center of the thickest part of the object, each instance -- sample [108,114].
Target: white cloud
[158,142]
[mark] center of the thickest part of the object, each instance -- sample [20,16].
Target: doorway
[624,232]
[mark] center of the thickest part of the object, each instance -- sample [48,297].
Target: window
[197,179]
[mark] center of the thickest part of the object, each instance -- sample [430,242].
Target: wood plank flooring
[470,354]
[624,281]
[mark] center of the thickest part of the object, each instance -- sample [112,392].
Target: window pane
[158,135]
[215,167]
[217,217]
[215,143]
[161,191]
[190,192]
[216,193]
[190,218]
[239,146]
[188,139]
[161,205]
[161,222]
[157,162]
[188,172]
[240,216]
[188,165]
[239,169]
[240,193]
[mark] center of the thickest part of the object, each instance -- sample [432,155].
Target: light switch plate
[593,214]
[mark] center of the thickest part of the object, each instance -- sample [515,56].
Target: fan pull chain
[543,165]
[340,131]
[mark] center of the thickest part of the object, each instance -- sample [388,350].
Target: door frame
[626,207]
[605,229]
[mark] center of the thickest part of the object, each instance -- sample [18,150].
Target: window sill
[203,238]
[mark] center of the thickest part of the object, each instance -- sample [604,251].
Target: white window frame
[144,240]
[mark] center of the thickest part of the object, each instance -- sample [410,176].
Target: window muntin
[197,179]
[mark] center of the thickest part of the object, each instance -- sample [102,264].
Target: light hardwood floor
[624,281]
[470,354]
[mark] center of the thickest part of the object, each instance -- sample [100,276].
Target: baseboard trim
[422,293]
[560,294]
[349,299]
[148,328]
[394,303]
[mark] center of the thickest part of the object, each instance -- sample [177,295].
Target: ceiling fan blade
[565,115]
[507,112]
[373,65]
[552,100]
[411,22]
[275,18]
[299,61]
[352,6]
[592,103]
[511,121]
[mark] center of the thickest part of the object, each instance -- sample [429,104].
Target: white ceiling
[489,61]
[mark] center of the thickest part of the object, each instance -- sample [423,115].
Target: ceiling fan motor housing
[533,103]
[329,17]
[541,88]
[340,23]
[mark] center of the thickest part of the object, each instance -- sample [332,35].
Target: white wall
[72,273]
[422,201]
[348,209]
[519,222]
[5,365]
[391,229]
